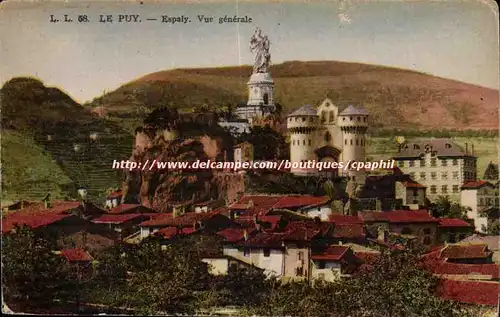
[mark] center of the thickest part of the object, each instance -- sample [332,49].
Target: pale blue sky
[452,39]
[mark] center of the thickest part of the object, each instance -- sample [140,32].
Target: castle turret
[302,125]
[353,123]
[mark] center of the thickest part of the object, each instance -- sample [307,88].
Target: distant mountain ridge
[396,98]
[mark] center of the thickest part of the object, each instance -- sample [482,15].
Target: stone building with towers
[325,134]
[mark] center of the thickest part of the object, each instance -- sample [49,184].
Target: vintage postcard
[250,158]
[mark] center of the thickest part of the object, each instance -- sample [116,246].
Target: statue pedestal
[260,89]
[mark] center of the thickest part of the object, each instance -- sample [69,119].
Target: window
[351,141]
[309,142]
[345,142]
[433,162]
[323,117]
[303,119]
[444,189]
[303,142]
[415,192]
[401,163]
[427,240]
[433,189]
[246,252]
[332,118]
[357,142]
[427,231]
[481,201]
[455,175]
[301,256]
[266,99]
[412,163]
[444,175]
[321,265]
[443,162]
[422,162]
[412,175]
[455,162]
[311,119]
[359,119]
[455,189]
[321,276]
[350,118]
[416,147]
[267,252]
[361,142]
[422,175]
[328,137]
[433,175]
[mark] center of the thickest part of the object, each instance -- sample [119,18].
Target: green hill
[396,98]
[47,133]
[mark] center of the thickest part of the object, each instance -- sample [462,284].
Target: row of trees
[149,280]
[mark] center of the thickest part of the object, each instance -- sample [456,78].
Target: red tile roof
[187,220]
[124,208]
[437,265]
[476,184]
[470,251]
[469,292]
[116,218]
[413,184]
[332,253]
[32,220]
[235,234]
[399,216]
[341,219]
[297,201]
[76,255]
[57,206]
[452,222]
[263,203]
[172,232]
[354,230]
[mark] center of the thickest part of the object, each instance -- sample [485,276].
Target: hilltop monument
[261,85]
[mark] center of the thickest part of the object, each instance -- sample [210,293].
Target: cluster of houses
[292,237]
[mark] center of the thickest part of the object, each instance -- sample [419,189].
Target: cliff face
[169,137]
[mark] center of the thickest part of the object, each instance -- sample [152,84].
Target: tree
[266,142]
[396,284]
[444,207]
[32,274]
[336,192]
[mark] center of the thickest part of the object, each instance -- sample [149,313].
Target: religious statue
[260,44]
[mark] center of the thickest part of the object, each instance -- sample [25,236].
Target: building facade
[327,135]
[479,197]
[439,164]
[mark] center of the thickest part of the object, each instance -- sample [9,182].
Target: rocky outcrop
[169,137]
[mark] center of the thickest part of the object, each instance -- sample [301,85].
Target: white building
[479,196]
[439,164]
[325,135]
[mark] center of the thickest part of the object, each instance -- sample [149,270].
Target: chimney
[472,148]
[466,148]
[46,203]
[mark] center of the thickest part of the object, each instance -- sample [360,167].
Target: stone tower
[302,126]
[353,123]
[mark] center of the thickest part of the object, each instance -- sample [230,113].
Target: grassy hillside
[75,146]
[28,171]
[396,98]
